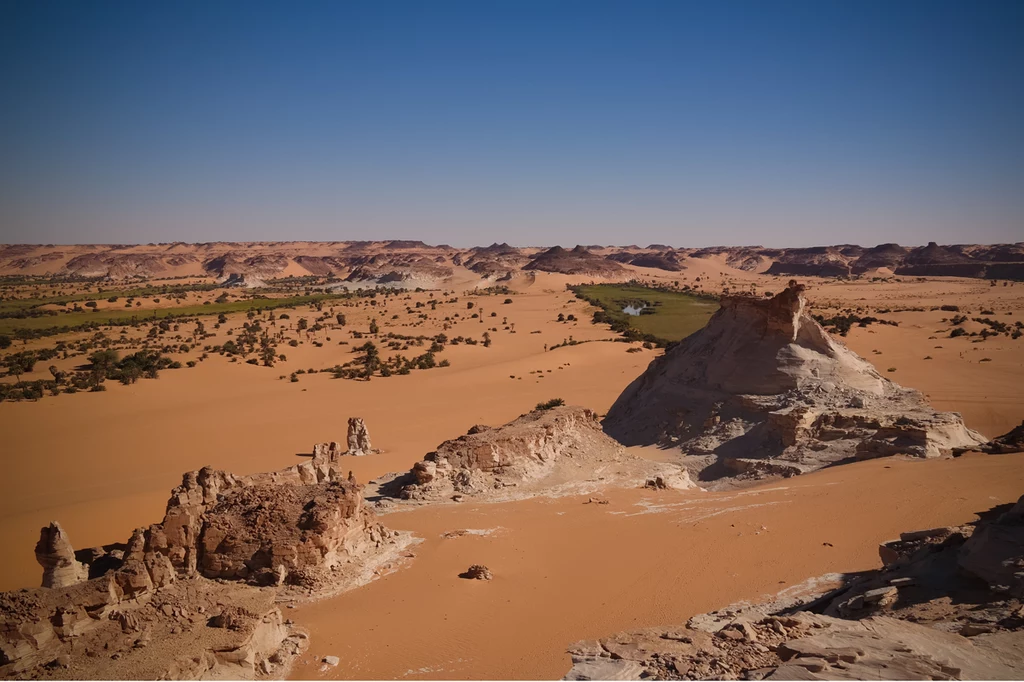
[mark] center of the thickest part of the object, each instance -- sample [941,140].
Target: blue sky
[727,122]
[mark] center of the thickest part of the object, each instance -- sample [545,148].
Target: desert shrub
[550,404]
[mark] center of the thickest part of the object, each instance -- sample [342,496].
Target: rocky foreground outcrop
[947,605]
[764,390]
[1011,441]
[558,451]
[195,594]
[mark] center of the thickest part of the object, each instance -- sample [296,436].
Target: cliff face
[763,389]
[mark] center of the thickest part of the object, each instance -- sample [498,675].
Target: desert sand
[101,464]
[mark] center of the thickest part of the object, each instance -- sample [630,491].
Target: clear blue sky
[722,122]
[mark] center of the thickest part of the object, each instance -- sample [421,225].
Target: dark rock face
[1009,442]
[763,389]
[579,261]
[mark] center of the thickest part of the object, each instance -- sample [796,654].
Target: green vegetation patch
[667,316]
[68,322]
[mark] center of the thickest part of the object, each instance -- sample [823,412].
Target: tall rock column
[57,557]
[358,437]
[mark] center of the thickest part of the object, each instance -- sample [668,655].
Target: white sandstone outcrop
[763,389]
[557,451]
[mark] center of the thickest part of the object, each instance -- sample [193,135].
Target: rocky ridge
[578,261]
[558,451]
[414,262]
[946,605]
[764,390]
[204,580]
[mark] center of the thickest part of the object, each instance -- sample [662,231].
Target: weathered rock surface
[55,554]
[357,445]
[545,452]
[243,541]
[477,572]
[947,605]
[764,390]
[358,437]
[191,630]
[1011,441]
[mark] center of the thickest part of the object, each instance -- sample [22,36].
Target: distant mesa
[763,390]
[416,262]
[578,261]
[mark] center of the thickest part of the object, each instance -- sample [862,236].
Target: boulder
[477,572]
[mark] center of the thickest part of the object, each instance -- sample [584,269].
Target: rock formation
[301,531]
[578,261]
[328,456]
[763,389]
[1011,441]
[947,605]
[358,437]
[556,451]
[477,572]
[396,264]
[55,554]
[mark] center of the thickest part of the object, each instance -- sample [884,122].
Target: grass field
[72,320]
[670,316]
